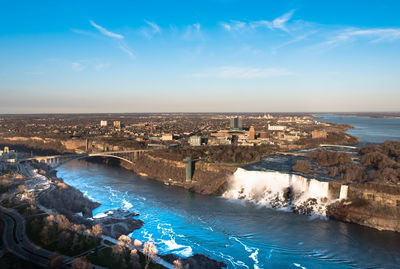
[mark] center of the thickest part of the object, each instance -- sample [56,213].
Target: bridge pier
[189,169]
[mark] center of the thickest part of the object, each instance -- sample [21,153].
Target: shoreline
[125,216]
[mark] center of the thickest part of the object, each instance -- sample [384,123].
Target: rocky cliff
[208,178]
[369,204]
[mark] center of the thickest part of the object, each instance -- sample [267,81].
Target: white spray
[279,190]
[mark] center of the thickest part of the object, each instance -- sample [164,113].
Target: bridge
[338,146]
[126,155]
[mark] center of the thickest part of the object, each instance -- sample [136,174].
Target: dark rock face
[197,261]
[116,227]
[70,202]
[67,201]
[366,213]
[208,178]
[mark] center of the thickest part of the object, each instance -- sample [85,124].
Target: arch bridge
[58,160]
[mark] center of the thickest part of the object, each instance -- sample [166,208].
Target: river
[367,129]
[240,233]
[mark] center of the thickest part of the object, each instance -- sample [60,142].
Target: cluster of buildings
[164,130]
[236,134]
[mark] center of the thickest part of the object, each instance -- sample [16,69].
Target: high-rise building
[103,123]
[236,123]
[252,133]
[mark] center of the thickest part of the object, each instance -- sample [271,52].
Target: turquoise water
[241,234]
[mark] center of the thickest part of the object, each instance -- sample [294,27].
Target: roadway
[16,241]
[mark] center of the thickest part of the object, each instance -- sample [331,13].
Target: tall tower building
[252,133]
[236,123]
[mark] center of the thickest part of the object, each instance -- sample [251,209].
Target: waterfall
[279,190]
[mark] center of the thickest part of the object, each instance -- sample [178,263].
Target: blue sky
[189,56]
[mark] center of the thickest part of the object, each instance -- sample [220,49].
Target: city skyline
[213,56]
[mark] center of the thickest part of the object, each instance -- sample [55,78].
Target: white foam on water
[127,205]
[166,241]
[299,266]
[85,194]
[252,250]
[100,215]
[254,255]
[268,188]
[176,248]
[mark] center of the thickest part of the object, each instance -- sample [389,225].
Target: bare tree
[81,263]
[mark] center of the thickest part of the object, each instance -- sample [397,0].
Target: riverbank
[114,223]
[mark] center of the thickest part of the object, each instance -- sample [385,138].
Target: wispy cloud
[82,32]
[118,40]
[106,32]
[127,50]
[372,35]
[235,72]
[155,27]
[151,30]
[294,40]
[278,23]
[193,32]
[234,25]
[77,66]
[88,64]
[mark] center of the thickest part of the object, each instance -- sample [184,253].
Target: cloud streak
[373,35]
[152,30]
[118,37]
[156,28]
[106,32]
[234,25]
[127,50]
[193,31]
[277,24]
[235,72]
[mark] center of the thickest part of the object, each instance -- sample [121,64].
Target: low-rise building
[117,124]
[276,127]
[219,141]
[263,135]
[195,140]
[319,134]
[167,137]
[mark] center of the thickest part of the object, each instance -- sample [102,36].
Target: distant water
[368,130]
[240,233]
